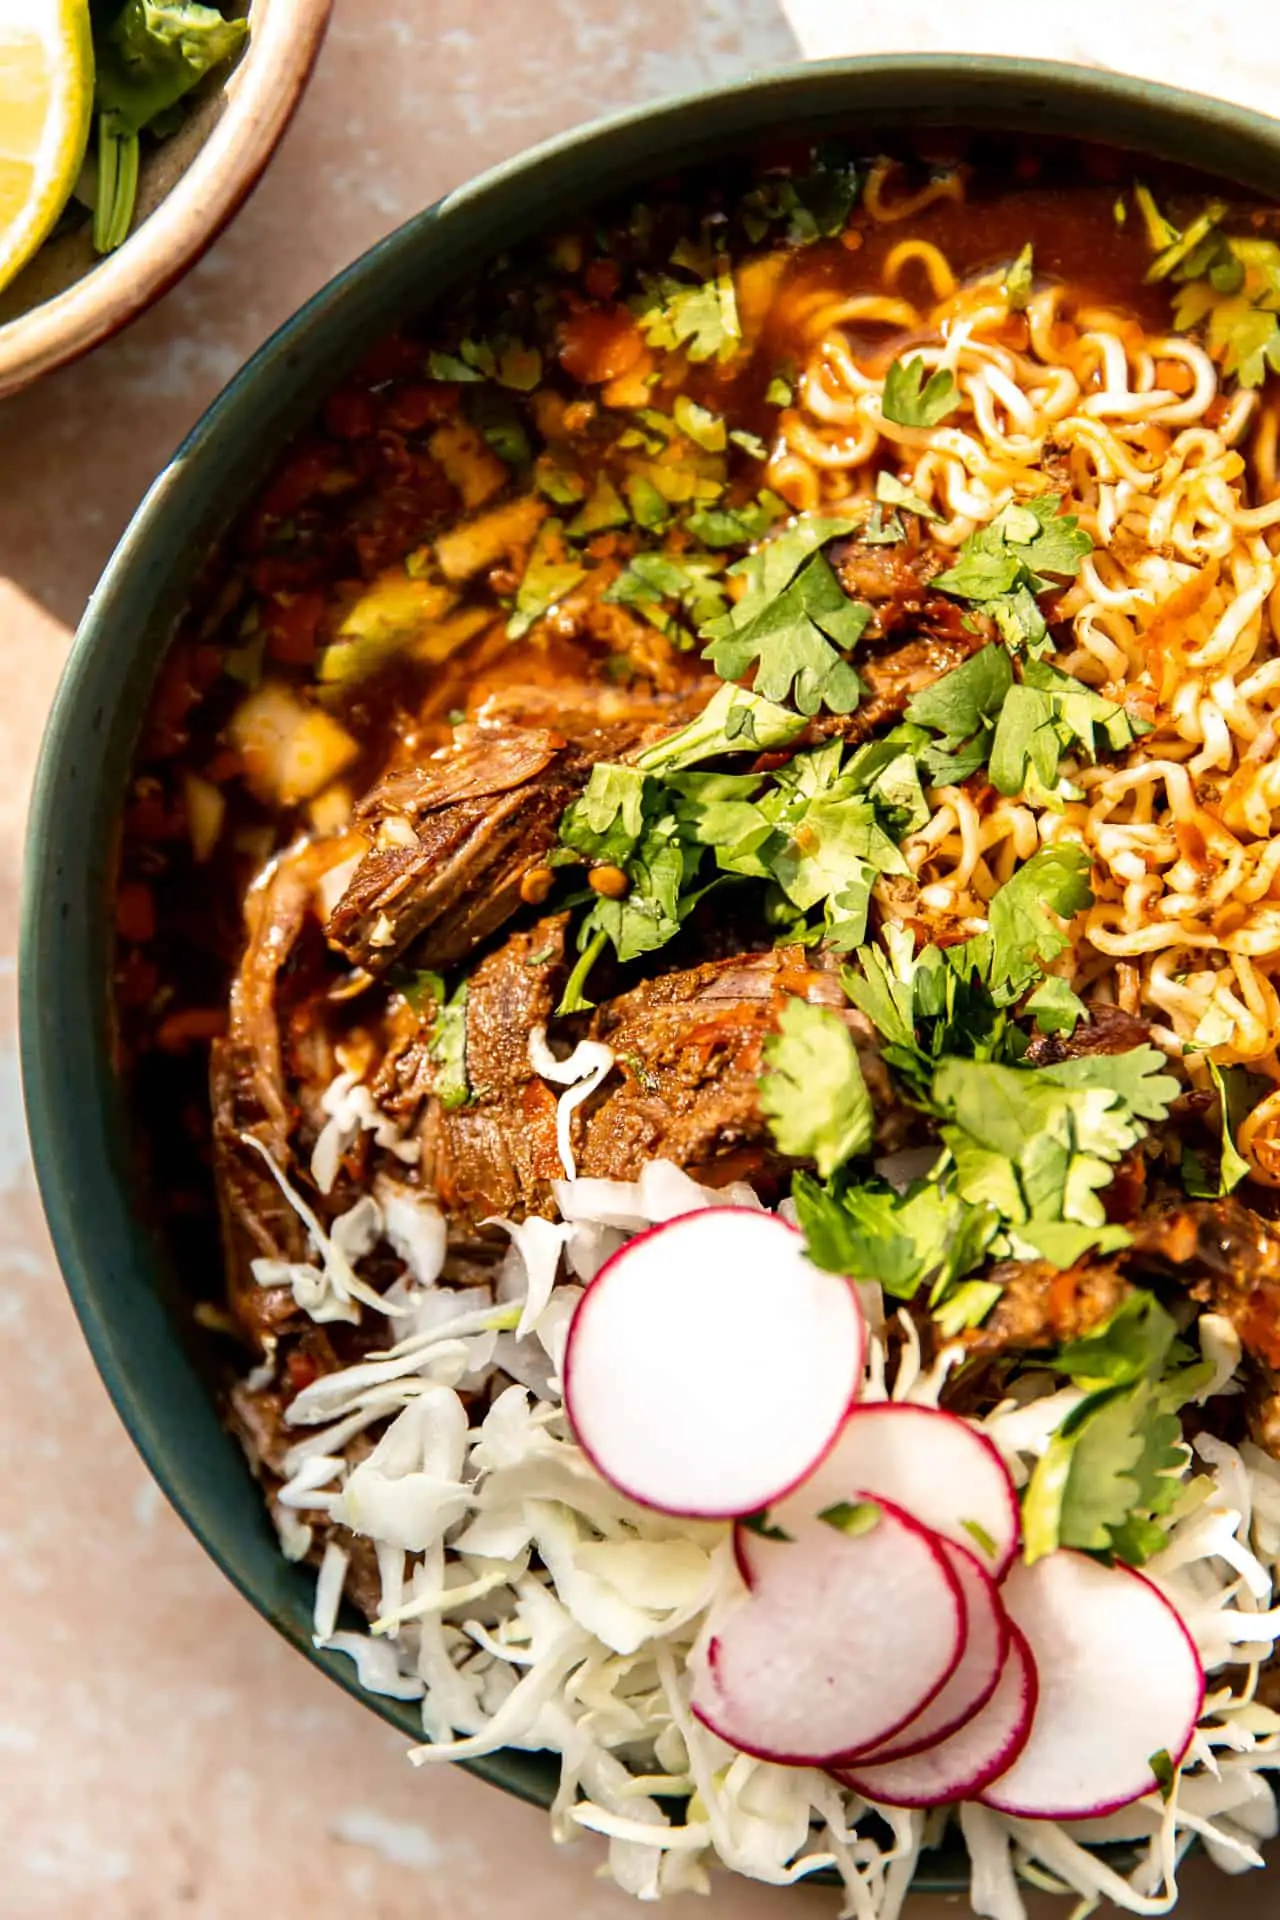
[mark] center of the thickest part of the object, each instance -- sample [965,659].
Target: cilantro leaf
[1004,565]
[1019,280]
[547,579]
[703,319]
[691,580]
[1047,714]
[734,720]
[962,706]
[812,1091]
[603,508]
[1238,1091]
[1054,1007]
[852,1517]
[1023,543]
[446,1038]
[1228,284]
[790,623]
[735,526]
[1139,1076]
[699,424]
[1132,1343]
[891,493]
[1023,934]
[1114,1466]
[901,1240]
[909,400]
[813,204]
[149,58]
[613,795]
[660,870]
[1038,1142]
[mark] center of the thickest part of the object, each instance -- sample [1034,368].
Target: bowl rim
[262,95]
[87,1182]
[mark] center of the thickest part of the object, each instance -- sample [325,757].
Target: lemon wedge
[46,104]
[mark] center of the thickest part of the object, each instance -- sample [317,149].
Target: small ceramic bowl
[68,297]
[122,1276]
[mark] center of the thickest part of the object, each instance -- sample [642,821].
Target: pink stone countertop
[162,1753]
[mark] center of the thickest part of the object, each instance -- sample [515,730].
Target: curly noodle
[1176,614]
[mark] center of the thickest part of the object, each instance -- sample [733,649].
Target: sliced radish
[1120,1681]
[844,1636]
[975,1754]
[941,1470]
[710,1363]
[976,1676]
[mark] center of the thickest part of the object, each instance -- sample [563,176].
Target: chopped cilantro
[892,493]
[732,720]
[1163,1772]
[901,1240]
[1113,1467]
[703,319]
[602,509]
[760,1523]
[981,1538]
[735,526]
[699,424]
[1226,283]
[1054,1007]
[1238,1091]
[649,509]
[909,400]
[1027,541]
[447,1037]
[853,1518]
[546,581]
[963,707]
[815,204]
[449,366]
[791,621]
[1023,934]
[1037,1143]
[1019,280]
[1004,565]
[966,1305]
[749,442]
[1133,1342]
[1117,1455]
[1047,714]
[812,1091]
[690,580]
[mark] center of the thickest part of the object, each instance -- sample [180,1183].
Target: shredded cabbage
[527,1603]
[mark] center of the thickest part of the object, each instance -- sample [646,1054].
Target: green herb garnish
[812,1091]
[148,59]
[909,400]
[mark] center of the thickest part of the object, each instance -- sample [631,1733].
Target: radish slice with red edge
[1120,1682]
[851,1626]
[977,1753]
[945,1473]
[976,1677]
[710,1364]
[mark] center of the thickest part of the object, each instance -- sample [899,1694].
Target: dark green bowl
[115,1266]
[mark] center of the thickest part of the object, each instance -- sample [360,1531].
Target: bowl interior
[129,1298]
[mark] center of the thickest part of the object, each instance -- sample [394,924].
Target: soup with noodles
[700,902]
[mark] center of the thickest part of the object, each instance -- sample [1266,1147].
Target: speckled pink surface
[162,1753]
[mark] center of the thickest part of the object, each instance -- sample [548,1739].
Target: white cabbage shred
[526,1603]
